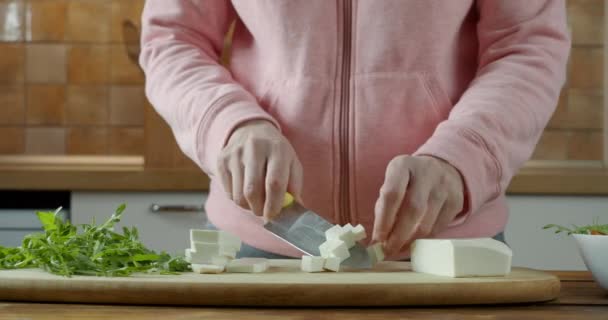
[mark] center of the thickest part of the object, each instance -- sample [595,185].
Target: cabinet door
[534,247]
[164,230]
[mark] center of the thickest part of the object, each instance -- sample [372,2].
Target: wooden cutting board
[389,284]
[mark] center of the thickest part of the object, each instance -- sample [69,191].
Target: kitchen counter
[580,298]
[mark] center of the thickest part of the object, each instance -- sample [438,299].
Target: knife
[305,230]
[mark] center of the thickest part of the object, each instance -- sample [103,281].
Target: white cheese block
[247,265]
[461,257]
[312,264]
[332,264]
[215,236]
[206,268]
[334,248]
[205,258]
[213,249]
[338,233]
[376,253]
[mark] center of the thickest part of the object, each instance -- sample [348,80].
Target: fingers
[426,225]
[452,207]
[412,211]
[277,177]
[253,184]
[296,182]
[389,202]
[225,176]
[236,171]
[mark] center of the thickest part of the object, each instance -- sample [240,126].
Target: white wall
[543,249]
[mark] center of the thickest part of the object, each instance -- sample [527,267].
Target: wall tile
[45,63]
[88,64]
[585,109]
[12,141]
[586,68]
[124,70]
[45,140]
[11,20]
[578,109]
[12,105]
[127,105]
[87,105]
[126,11]
[45,20]
[45,105]
[553,145]
[89,21]
[585,145]
[126,141]
[12,63]
[586,18]
[89,140]
[560,115]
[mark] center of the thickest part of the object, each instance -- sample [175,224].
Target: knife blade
[305,230]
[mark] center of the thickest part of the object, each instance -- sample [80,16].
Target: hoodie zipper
[344,113]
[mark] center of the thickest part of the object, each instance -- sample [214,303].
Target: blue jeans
[248,251]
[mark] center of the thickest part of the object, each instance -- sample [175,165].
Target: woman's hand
[257,166]
[420,196]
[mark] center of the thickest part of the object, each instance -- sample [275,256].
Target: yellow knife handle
[288,200]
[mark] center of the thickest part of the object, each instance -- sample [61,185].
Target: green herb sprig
[97,250]
[593,229]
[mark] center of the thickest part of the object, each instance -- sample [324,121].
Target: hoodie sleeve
[181,46]
[495,126]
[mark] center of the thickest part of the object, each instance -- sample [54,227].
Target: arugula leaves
[593,229]
[97,250]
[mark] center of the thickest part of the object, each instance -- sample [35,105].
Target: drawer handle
[157,208]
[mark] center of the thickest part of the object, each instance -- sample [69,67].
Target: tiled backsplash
[67,84]
[575,131]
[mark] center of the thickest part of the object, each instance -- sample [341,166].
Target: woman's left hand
[420,196]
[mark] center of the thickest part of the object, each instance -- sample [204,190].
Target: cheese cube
[215,236]
[214,249]
[206,268]
[335,248]
[461,257]
[375,253]
[247,265]
[205,258]
[359,232]
[332,264]
[338,233]
[312,264]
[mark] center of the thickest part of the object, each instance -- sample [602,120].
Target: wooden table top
[580,298]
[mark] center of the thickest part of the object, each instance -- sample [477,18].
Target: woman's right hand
[257,166]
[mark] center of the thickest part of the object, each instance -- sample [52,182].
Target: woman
[407,116]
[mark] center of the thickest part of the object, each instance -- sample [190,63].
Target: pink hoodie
[354,83]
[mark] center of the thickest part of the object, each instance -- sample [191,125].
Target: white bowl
[594,250]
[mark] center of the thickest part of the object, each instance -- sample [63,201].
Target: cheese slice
[461,257]
[247,265]
[215,236]
[205,258]
[312,264]
[214,249]
[206,268]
